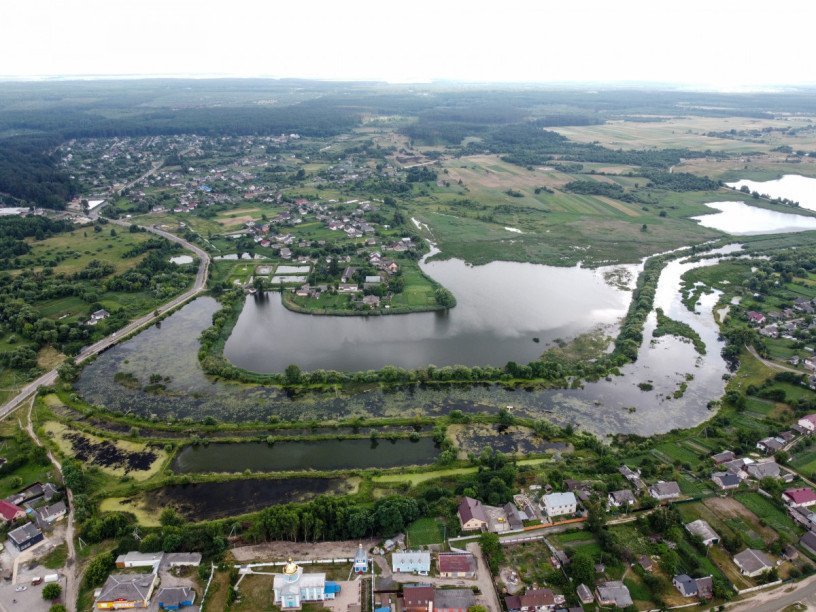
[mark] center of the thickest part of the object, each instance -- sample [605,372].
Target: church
[293,588]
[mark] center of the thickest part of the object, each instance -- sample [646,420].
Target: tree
[582,568]
[51,591]
[57,608]
[292,374]
[492,551]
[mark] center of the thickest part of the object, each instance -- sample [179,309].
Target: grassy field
[144,515]
[74,250]
[418,478]
[425,531]
[770,514]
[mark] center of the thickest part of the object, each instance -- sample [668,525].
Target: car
[22,587]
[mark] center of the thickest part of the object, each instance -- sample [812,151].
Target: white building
[808,422]
[558,504]
[293,588]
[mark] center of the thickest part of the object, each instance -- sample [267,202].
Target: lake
[305,455]
[500,308]
[791,186]
[741,219]
[604,407]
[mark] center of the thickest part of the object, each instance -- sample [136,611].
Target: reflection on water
[500,308]
[740,219]
[791,186]
[603,407]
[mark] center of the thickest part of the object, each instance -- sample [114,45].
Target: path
[484,579]
[772,364]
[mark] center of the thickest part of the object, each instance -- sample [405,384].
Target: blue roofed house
[411,562]
[360,561]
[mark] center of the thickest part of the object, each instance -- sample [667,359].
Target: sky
[717,44]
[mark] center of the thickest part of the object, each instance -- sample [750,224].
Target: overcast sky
[724,44]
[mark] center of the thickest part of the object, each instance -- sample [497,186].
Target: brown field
[725,507]
[234,220]
[620,206]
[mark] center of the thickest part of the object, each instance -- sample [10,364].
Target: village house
[456,565]
[559,504]
[808,422]
[347,288]
[613,593]
[99,315]
[799,498]
[175,598]
[665,490]
[808,542]
[624,497]
[753,562]
[472,515]
[703,530]
[645,561]
[804,516]
[51,514]
[372,301]
[726,480]
[766,469]
[533,600]
[770,444]
[694,587]
[25,536]
[723,457]
[584,594]
[418,598]
[757,318]
[10,512]
[632,476]
[411,562]
[126,591]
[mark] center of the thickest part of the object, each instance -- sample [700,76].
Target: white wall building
[559,504]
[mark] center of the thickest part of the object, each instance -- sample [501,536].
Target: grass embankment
[667,326]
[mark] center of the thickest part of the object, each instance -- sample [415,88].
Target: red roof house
[804,496]
[456,565]
[10,512]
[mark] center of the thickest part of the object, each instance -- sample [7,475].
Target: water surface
[304,455]
[794,187]
[500,308]
[741,219]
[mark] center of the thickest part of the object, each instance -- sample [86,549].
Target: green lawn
[775,518]
[425,531]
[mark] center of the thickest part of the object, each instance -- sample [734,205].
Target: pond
[741,219]
[305,455]
[604,407]
[794,187]
[500,308]
[214,500]
[181,259]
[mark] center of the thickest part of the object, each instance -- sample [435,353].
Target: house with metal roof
[126,591]
[703,530]
[411,562]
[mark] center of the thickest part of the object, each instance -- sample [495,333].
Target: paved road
[49,378]
[779,598]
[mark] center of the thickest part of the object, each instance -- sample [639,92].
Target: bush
[51,591]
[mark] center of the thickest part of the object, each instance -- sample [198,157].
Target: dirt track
[300,551]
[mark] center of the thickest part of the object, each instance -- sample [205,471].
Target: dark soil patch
[212,500]
[107,454]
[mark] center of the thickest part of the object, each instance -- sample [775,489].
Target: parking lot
[26,600]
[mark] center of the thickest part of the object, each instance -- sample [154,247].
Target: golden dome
[290,568]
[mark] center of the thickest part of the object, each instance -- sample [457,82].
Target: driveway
[484,579]
[780,597]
